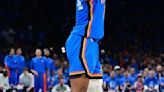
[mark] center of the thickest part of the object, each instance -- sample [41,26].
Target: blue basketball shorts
[83,56]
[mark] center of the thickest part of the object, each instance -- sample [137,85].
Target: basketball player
[38,68]
[82,46]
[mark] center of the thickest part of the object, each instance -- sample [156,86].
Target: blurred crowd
[47,71]
[41,74]
[133,72]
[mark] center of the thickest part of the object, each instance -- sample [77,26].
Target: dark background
[130,24]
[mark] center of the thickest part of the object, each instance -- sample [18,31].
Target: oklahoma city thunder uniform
[82,45]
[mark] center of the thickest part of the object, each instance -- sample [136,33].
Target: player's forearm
[34,72]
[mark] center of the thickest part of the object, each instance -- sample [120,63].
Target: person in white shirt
[4,81]
[61,87]
[26,81]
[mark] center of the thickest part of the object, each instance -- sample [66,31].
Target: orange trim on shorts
[76,73]
[45,83]
[85,61]
[91,20]
[97,75]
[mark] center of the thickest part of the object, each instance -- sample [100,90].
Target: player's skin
[79,84]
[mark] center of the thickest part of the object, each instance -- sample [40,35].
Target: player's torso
[39,65]
[90,18]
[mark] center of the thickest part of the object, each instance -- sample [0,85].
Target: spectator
[38,68]
[161,84]
[134,64]
[20,60]
[112,83]
[66,68]
[59,75]
[57,65]
[159,73]
[4,81]
[61,87]
[151,82]
[105,77]
[11,65]
[119,76]
[145,73]
[26,80]
[139,85]
[128,83]
[66,72]
[56,77]
[133,75]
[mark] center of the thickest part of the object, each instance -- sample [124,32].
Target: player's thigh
[79,84]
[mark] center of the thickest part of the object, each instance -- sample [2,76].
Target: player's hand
[36,73]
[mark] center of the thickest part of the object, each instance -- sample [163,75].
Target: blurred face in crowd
[132,71]
[38,53]
[46,52]
[133,61]
[12,52]
[105,69]
[146,72]
[60,72]
[122,70]
[126,74]
[140,78]
[159,68]
[112,74]
[65,64]
[19,51]
[57,63]
[25,72]
[55,56]
[152,73]
[118,71]
[61,81]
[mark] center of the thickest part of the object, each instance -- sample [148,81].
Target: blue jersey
[120,79]
[21,63]
[151,82]
[127,79]
[112,83]
[90,18]
[133,78]
[105,77]
[49,65]
[161,81]
[12,64]
[39,65]
[56,80]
